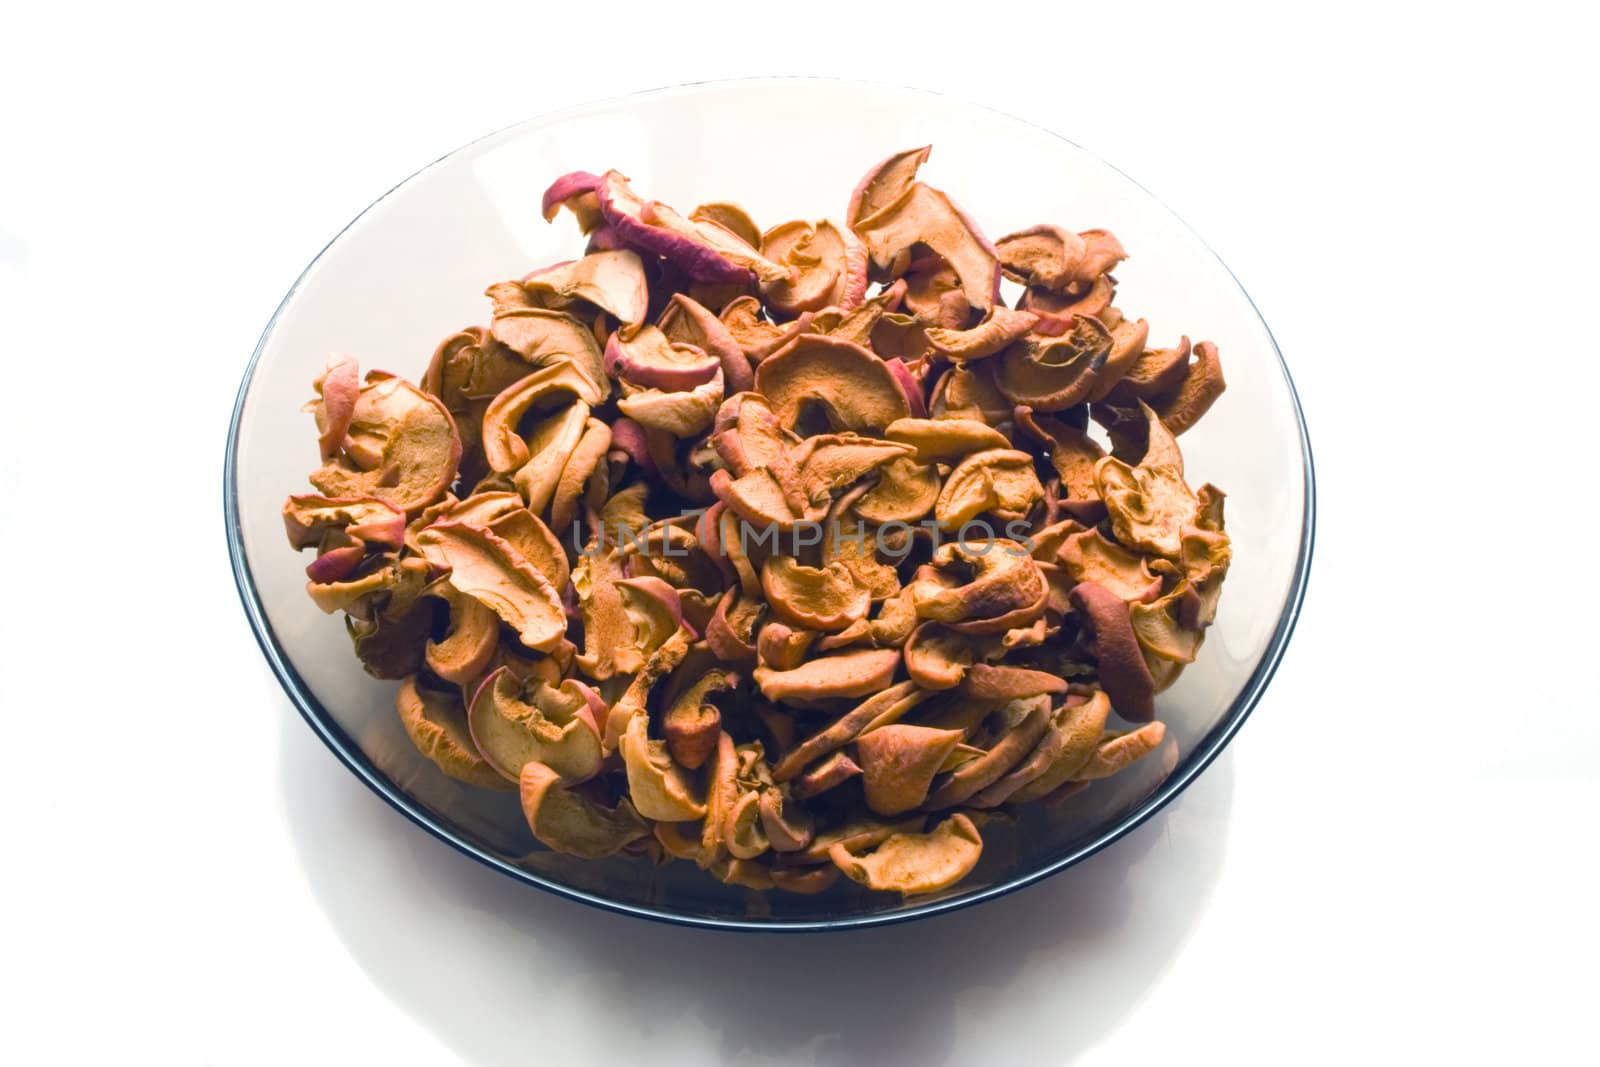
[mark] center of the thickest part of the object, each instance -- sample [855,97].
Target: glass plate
[412,268]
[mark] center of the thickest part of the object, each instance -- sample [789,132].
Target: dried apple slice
[823,598]
[470,643]
[1053,258]
[1023,723]
[705,250]
[659,788]
[547,338]
[758,337]
[1149,504]
[310,517]
[851,386]
[680,413]
[1075,732]
[828,266]
[986,587]
[437,724]
[730,217]
[1054,373]
[999,328]
[1090,557]
[1123,672]
[338,388]
[485,567]
[514,722]
[613,281]
[1000,481]
[566,821]
[401,447]
[1119,750]
[650,360]
[892,212]
[575,192]
[915,863]
[899,762]
[946,440]
[686,321]
[691,723]
[555,388]
[886,706]
[845,674]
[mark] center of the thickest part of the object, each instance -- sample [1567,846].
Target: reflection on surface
[489,965]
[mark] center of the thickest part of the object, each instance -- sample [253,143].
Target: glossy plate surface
[412,268]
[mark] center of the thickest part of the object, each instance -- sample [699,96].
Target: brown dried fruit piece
[401,447]
[848,385]
[981,588]
[892,212]
[828,266]
[659,787]
[1123,671]
[898,763]
[818,598]
[915,863]
[1053,258]
[1149,504]
[566,821]
[436,722]
[613,281]
[485,567]
[515,722]
[1074,736]
[844,674]
[998,481]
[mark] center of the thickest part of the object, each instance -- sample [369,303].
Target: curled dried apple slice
[851,387]
[659,787]
[828,266]
[898,763]
[436,722]
[1119,750]
[401,447]
[613,281]
[704,249]
[547,338]
[576,193]
[1053,258]
[567,821]
[1075,732]
[1023,723]
[818,598]
[845,674]
[892,212]
[470,642]
[1000,481]
[915,863]
[1149,504]
[553,388]
[681,412]
[999,328]
[485,567]
[1123,672]
[649,359]
[686,321]
[515,722]
[985,587]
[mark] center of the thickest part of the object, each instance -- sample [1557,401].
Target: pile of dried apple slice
[791,552]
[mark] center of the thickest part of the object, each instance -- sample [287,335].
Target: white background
[1396,858]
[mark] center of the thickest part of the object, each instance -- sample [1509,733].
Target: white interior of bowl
[413,269]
